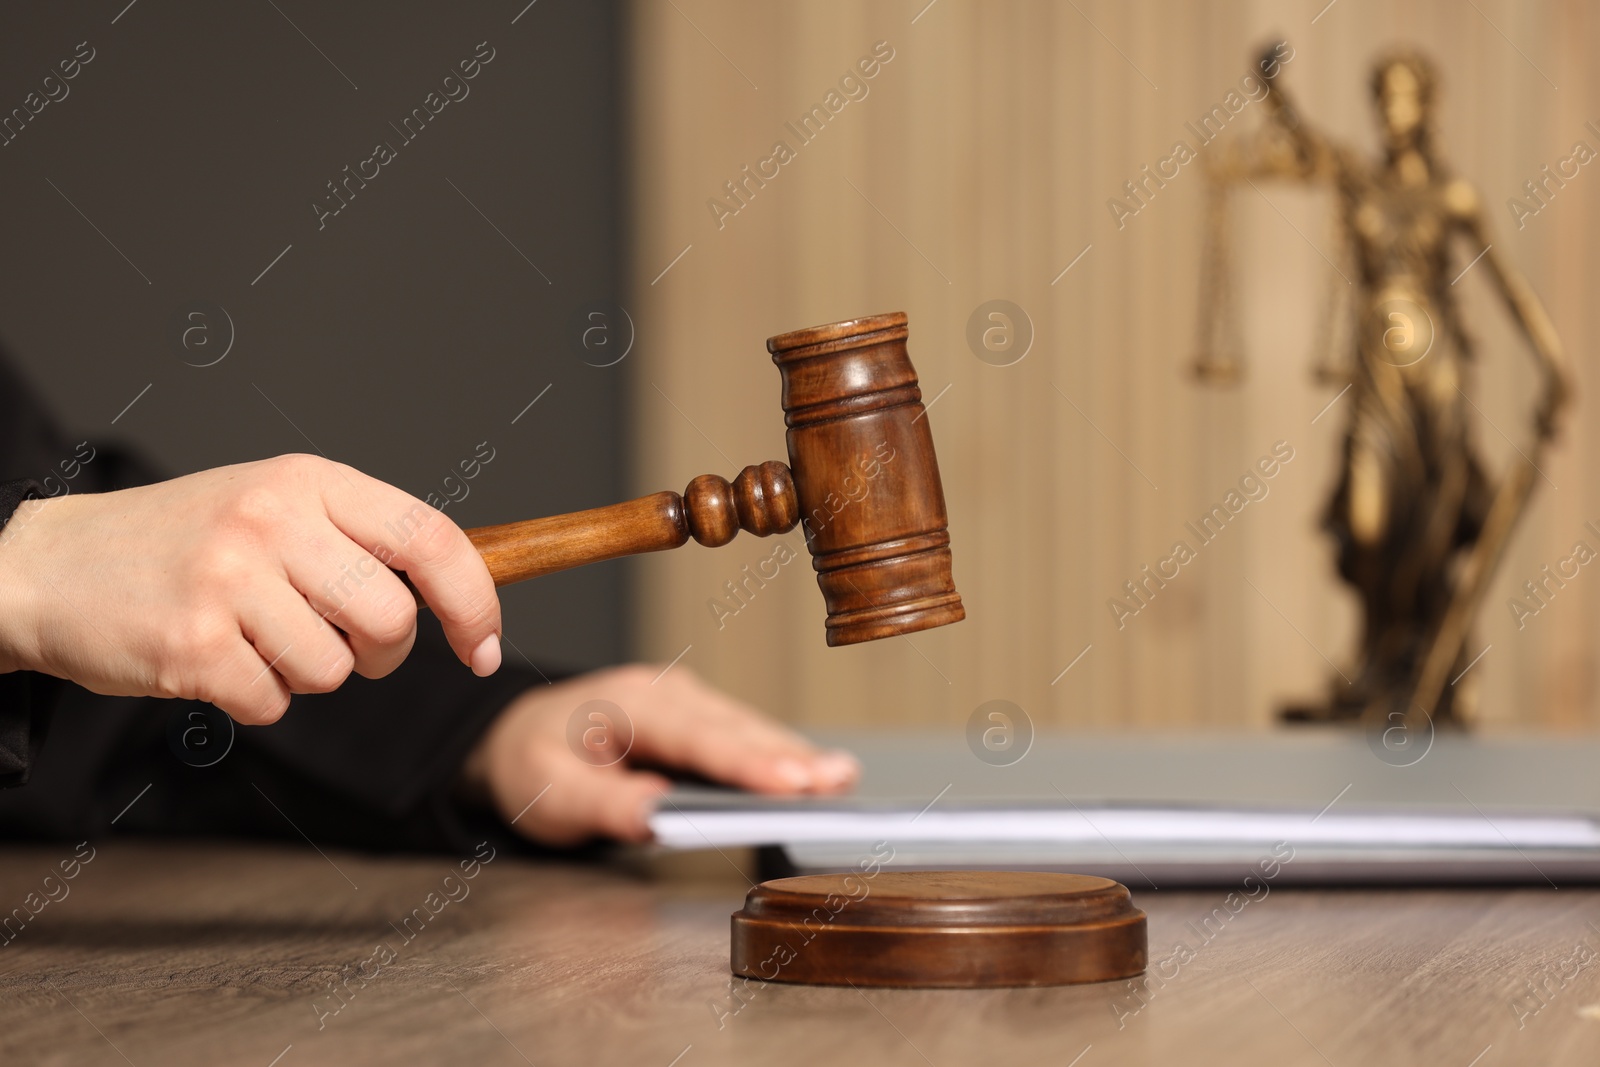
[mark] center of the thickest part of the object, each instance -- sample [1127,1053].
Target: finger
[584,802]
[408,535]
[730,742]
[346,585]
[244,685]
[288,634]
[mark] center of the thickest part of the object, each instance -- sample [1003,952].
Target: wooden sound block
[939,929]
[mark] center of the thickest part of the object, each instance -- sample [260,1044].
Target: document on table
[1478,814]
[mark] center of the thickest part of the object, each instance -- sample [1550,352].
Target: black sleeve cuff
[12,494]
[23,696]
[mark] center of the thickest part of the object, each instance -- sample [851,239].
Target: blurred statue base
[1381,705]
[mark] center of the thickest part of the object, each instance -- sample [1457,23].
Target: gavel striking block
[851,403]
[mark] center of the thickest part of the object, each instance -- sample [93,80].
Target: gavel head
[865,478]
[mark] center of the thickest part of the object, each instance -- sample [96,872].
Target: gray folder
[1313,806]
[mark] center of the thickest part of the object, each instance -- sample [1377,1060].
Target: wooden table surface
[201,953]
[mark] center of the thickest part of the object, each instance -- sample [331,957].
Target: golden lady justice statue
[1419,526]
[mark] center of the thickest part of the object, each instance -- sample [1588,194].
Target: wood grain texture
[216,954]
[866,478]
[517,551]
[939,930]
[711,509]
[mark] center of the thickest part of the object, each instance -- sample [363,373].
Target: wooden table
[223,953]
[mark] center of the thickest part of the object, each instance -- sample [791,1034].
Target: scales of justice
[1418,523]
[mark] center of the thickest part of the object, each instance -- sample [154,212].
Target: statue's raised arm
[1285,146]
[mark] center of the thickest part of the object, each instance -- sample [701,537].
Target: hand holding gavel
[237,586]
[244,584]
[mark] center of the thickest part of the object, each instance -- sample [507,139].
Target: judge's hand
[237,586]
[581,760]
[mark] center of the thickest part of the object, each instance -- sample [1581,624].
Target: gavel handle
[711,510]
[516,551]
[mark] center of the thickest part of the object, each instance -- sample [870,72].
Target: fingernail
[837,768]
[486,657]
[792,773]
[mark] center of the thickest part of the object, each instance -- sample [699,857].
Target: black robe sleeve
[372,765]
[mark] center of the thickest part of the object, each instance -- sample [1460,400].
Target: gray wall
[397,336]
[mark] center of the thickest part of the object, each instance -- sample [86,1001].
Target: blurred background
[556,267]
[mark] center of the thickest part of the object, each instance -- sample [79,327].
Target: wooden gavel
[855,418]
